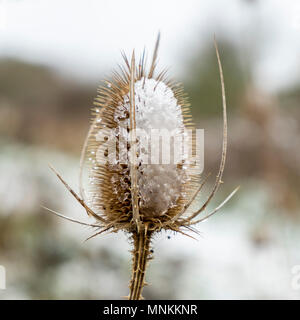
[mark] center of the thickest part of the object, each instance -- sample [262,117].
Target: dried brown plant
[116,195]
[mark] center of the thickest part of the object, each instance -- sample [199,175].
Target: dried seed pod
[127,185]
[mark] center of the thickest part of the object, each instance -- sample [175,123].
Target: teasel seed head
[120,187]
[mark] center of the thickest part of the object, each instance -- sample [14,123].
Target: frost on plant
[138,171]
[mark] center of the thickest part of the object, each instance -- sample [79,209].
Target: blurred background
[53,55]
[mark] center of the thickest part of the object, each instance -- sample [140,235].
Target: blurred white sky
[84,37]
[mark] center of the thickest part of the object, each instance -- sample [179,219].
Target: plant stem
[140,257]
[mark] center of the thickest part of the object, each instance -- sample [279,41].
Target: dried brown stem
[140,255]
[133,165]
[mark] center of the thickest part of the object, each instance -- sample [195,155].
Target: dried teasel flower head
[127,181]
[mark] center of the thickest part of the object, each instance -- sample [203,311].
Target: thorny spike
[143,64]
[85,144]
[183,233]
[125,59]
[224,147]
[154,58]
[98,233]
[74,194]
[216,209]
[71,219]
